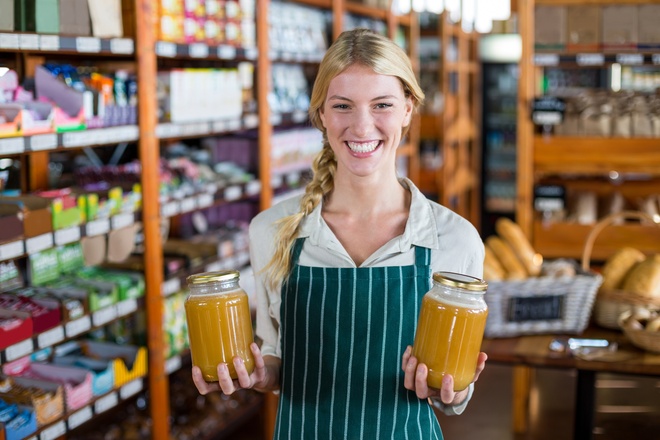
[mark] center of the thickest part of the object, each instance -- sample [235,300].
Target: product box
[7,16]
[76,382]
[35,211]
[171,7]
[584,28]
[15,327]
[649,31]
[71,354]
[11,223]
[106,17]
[74,17]
[550,28]
[41,16]
[47,398]
[170,28]
[129,362]
[620,27]
[22,426]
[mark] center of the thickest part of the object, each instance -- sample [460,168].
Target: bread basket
[644,339]
[611,304]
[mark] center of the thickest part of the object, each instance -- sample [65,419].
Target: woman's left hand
[416,374]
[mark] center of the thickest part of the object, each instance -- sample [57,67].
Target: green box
[7,15]
[41,16]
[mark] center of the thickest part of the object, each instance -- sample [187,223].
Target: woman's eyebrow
[377,98]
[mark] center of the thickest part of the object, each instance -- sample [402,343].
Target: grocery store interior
[139,138]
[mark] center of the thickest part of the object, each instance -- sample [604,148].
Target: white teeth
[363,147]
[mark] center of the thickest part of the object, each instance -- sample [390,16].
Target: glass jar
[451,327]
[219,322]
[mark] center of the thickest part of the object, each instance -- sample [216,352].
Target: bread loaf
[644,278]
[493,269]
[514,268]
[510,232]
[617,266]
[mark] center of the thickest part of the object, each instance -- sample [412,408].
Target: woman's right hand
[265,376]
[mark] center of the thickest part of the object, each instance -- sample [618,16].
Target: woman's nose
[362,123]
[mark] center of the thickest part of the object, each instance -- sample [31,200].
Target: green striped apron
[344,331]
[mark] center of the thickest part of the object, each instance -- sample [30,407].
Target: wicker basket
[649,341]
[610,304]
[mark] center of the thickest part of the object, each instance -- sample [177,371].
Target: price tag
[122,220]
[656,58]
[14,145]
[204,200]
[9,41]
[546,59]
[104,316]
[97,227]
[88,44]
[630,59]
[251,53]
[198,50]
[126,307]
[232,193]
[234,125]
[106,402]
[122,46]
[49,42]
[251,121]
[171,286]
[188,204]
[226,52]
[195,129]
[51,337]
[590,59]
[218,126]
[172,364]
[19,350]
[53,431]
[78,326]
[38,243]
[253,188]
[28,41]
[169,209]
[165,49]
[131,389]
[75,139]
[42,142]
[66,236]
[79,417]
[11,250]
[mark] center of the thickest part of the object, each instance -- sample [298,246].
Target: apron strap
[297,250]
[422,257]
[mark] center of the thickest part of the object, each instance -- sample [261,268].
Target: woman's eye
[340,106]
[383,105]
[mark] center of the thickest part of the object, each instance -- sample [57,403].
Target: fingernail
[420,369]
[410,362]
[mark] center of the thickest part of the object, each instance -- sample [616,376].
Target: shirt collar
[421,228]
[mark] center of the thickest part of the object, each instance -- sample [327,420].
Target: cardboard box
[48,404]
[620,27]
[7,16]
[36,213]
[130,362]
[550,28]
[649,31]
[41,16]
[584,28]
[13,334]
[74,17]
[11,223]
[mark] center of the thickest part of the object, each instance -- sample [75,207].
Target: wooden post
[522,384]
[263,89]
[153,254]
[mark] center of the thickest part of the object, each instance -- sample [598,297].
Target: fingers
[481,364]
[203,386]
[421,384]
[406,357]
[447,393]
[409,369]
[259,373]
[225,381]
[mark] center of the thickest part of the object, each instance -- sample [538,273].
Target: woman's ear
[322,116]
[409,111]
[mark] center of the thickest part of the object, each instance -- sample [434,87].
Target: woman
[341,270]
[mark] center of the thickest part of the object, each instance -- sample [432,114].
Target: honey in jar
[219,322]
[450,328]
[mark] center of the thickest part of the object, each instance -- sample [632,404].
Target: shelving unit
[456,128]
[141,49]
[601,165]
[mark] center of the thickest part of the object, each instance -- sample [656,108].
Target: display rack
[579,162]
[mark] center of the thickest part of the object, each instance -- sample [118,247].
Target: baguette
[644,278]
[511,233]
[493,269]
[514,268]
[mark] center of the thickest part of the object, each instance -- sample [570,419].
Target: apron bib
[344,331]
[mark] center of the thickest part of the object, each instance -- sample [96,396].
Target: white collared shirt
[454,243]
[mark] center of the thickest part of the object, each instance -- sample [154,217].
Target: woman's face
[363,114]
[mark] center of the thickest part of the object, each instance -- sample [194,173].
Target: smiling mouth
[363,147]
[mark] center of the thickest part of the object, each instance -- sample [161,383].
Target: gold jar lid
[458,280]
[213,277]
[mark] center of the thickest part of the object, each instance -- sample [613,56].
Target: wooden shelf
[555,240]
[593,2]
[561,155]
[366,11]
[326,4]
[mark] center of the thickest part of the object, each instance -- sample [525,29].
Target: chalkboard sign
[535,308]
[548,110]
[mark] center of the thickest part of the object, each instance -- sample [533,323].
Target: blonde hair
[359,46]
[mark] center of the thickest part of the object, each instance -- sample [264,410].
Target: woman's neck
[364,197]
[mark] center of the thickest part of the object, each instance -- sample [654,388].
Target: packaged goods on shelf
[290,89]
[649,34]
[106,18]
[295,29]
[37,16]
[550,28]
[175,329]
[70,354]
[74,17]
[129,361]
[620,27]
[10,276]
[35,212]
[584,28]
[15,326]
[44,397]
[17,422]
[7,18]
[294,150]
